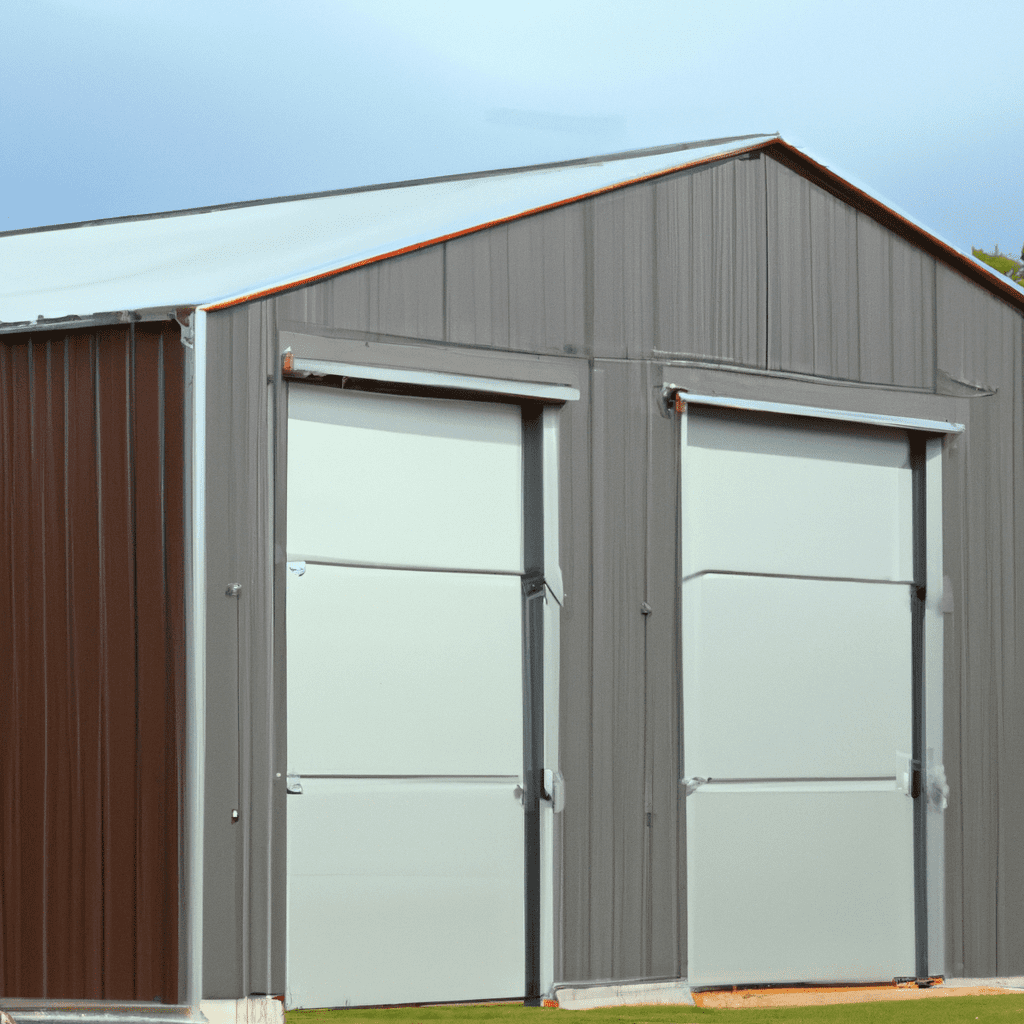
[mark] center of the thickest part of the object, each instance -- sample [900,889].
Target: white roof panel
[217,256]
[207,257]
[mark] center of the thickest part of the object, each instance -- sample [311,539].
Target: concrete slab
[648,993]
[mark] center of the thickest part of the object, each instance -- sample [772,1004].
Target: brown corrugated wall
[92,662]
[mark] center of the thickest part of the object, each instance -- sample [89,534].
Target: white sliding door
[405,699]
[797,565]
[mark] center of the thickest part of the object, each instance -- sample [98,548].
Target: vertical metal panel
[618,768]
[813,292]
[912,281]
[403,296]
[476,289]
[242,941]
[622,258]
[896,308]
[577,539]
[546,281]
[874,298]
[550,816]
[226,443]
[92,654]
[934,628]
[410,295]
[664,894]
[980,340]
[847,298]
[710,263]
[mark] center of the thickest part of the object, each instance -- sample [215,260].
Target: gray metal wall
[243,913]
[740,277]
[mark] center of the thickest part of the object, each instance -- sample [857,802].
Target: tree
[1013,269]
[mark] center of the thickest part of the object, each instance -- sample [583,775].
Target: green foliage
[1013,269]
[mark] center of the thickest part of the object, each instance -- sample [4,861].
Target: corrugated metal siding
[621,252]
[476,289]
[981,340]
[91,662]
[243,918]
[666,861]
[847,299]
[617,770]
[708,264]
[546,282]
[678,266]
[402,296]
[577,705]
[711,258]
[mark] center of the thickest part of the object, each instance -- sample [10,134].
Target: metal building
[475,587]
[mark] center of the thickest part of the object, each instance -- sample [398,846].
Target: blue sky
[112,108]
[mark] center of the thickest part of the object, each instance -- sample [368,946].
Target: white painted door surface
[405,720]
[797,559]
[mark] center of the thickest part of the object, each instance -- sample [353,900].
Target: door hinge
[294,783]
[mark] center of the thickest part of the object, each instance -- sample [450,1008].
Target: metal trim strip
[919,710]
[796,576]
[932,737]
[814,412]
[195,674]
[342,563]
[300,369]
[94,1011]
[105,319]
[534,592]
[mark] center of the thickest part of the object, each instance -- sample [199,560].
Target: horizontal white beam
[844,415]
[431,379]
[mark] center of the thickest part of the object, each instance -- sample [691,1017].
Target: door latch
[553,789]
[906,776]
[692,785]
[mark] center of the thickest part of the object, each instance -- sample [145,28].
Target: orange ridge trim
[301,282]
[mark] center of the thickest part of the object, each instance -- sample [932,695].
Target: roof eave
[110,318]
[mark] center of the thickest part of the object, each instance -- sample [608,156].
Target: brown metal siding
[91,662]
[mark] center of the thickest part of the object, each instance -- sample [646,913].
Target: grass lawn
[1008,1009]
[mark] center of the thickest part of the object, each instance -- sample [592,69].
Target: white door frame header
[296,368]
[683,398]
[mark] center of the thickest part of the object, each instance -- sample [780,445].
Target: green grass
[1008,1009]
